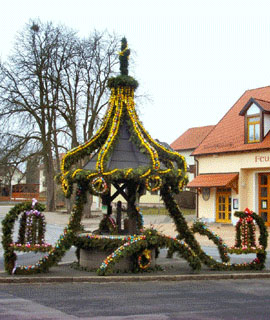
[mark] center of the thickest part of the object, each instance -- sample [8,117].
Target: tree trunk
[87,206]
[49,170]
[50,203]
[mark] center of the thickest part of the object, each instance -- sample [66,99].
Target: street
[233,299]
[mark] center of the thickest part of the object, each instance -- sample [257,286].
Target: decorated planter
[92,260]
[94,250]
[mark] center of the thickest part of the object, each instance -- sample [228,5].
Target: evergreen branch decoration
[123,57]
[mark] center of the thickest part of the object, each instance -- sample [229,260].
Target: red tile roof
[264,104]
[213,180]
[191,138]
[229,134]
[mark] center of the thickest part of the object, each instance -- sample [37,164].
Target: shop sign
[262,159]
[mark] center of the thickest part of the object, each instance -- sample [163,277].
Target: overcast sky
[193,58]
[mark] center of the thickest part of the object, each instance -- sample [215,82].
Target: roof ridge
[204,139]
[258,88]
[210,125]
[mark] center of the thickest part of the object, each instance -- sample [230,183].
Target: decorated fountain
[123,159]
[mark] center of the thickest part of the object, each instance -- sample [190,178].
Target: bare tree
[53,90]
[84,83]
[28,96]
[84,89]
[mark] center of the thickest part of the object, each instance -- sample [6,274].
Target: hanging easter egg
[144,260]
[153,183]
[99,185]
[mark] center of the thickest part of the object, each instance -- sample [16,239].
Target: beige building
[233,162]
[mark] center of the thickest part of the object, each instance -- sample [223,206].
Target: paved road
[248,300]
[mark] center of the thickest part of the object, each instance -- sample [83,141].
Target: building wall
[189,160]
[42,181]
[233,162]
[206,208]
[187,155]
[17,178]
[248,165]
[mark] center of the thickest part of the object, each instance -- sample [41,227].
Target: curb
[106,279]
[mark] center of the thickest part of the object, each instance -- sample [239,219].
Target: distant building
[234,161]
[187,143]
[9,176]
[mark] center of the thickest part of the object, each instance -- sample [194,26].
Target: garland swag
[188,236]
[55,253]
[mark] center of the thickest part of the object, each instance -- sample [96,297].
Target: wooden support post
[119,216]
[131,209]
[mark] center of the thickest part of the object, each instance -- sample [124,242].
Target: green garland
[189,250]
[10,256]
[21,234]
[200,227]
[124,56]
[55,255]
[92,242]
[123,81]
[185,233]
[31,248]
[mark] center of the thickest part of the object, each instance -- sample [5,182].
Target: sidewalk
[175,269]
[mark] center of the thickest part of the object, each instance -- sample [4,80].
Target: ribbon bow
[34,201]
[248,212]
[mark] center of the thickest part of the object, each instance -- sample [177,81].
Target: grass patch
[164,211]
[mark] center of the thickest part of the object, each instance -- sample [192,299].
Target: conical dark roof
[122,149]
[125,154]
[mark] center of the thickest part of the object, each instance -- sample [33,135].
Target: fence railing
[22,196]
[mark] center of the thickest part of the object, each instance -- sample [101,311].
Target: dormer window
[253,124]
[257,120]
[253,128]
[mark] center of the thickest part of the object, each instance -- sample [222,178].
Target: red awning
[215,180]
